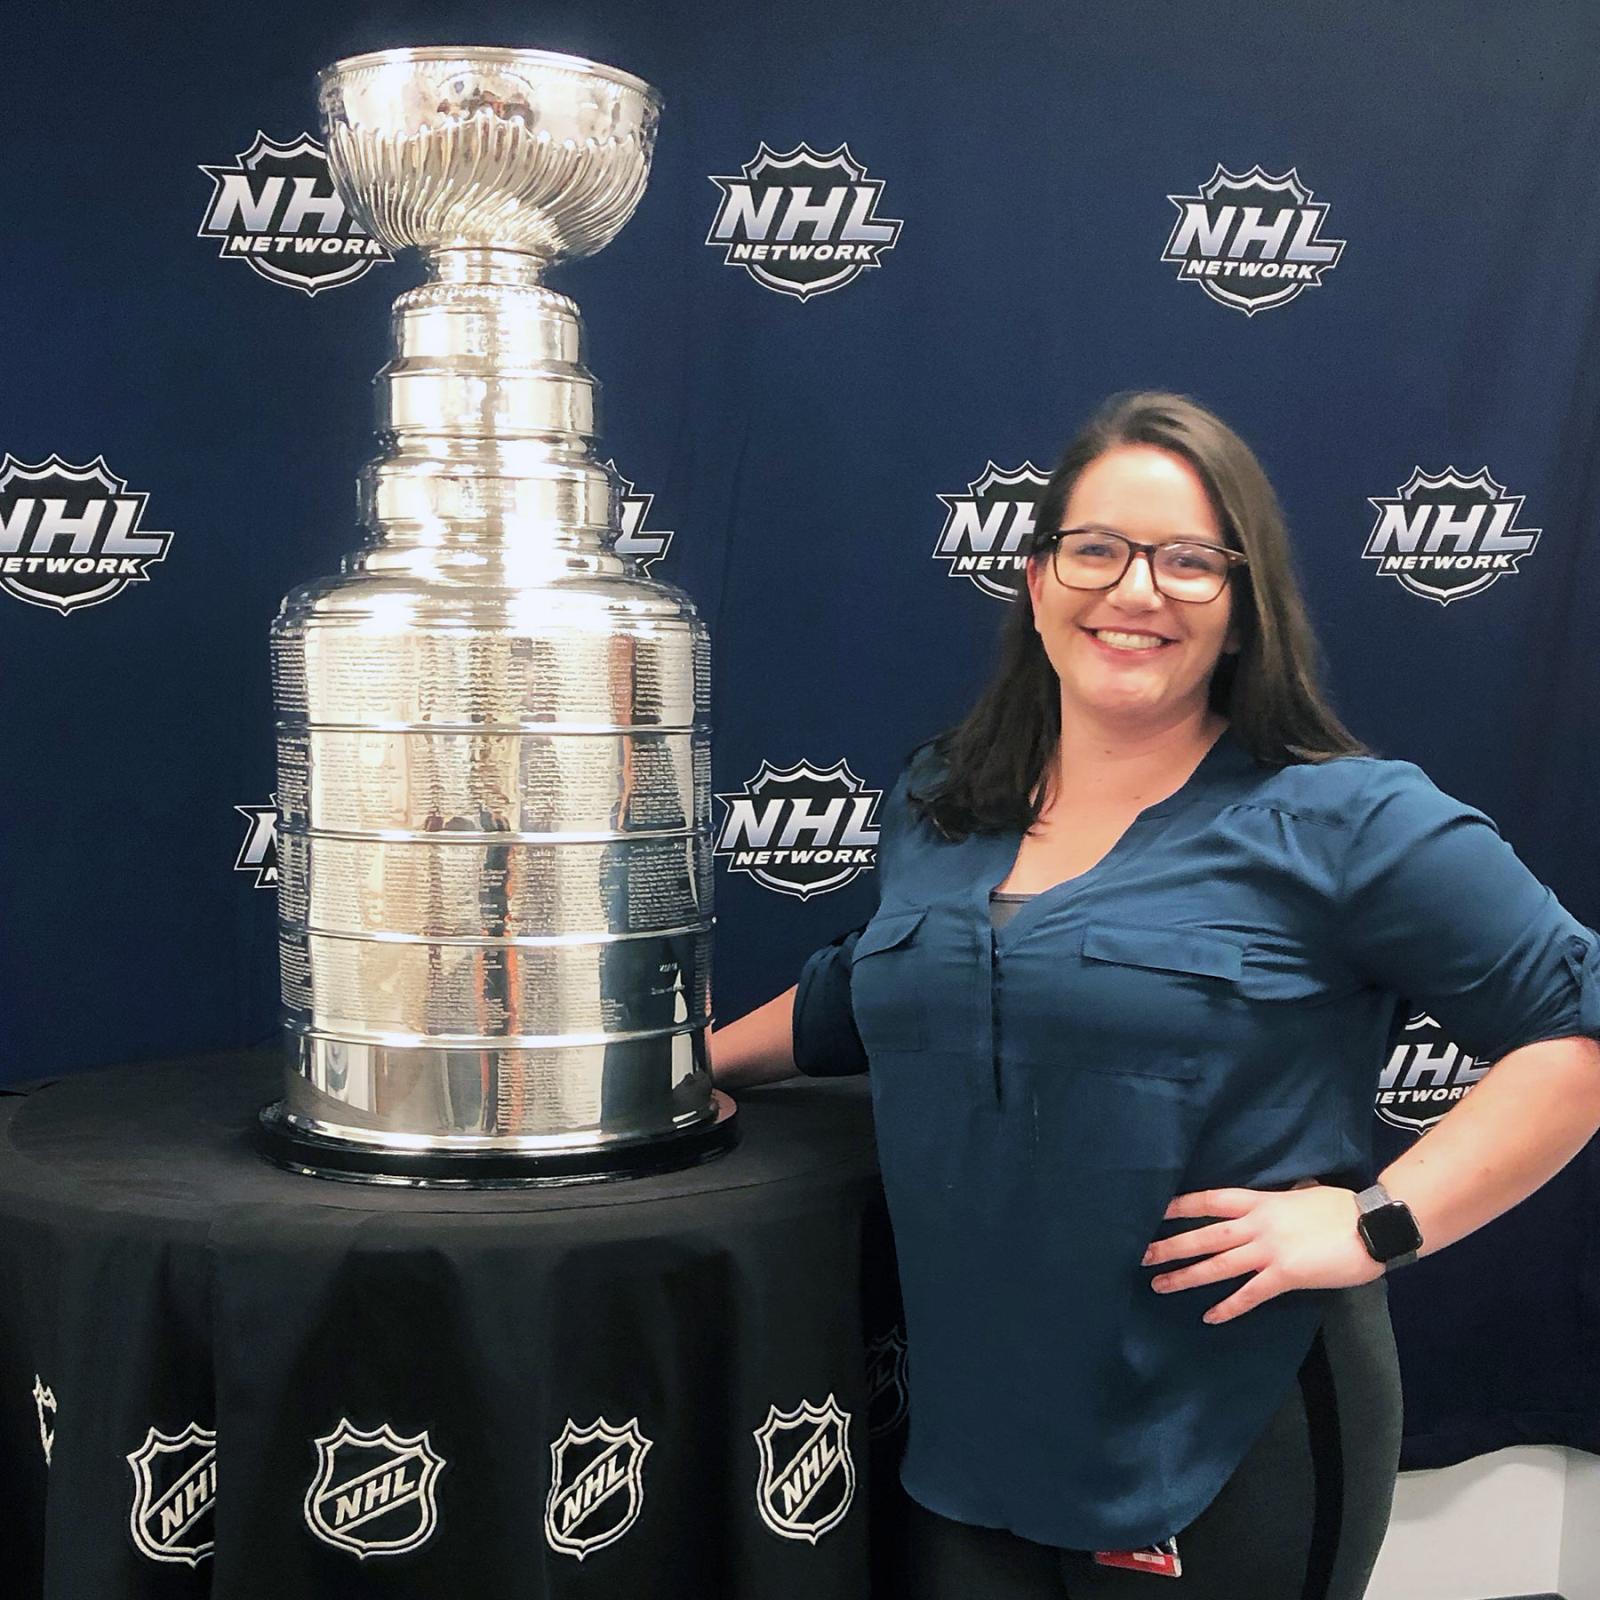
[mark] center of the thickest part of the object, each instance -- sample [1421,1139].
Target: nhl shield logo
[1444,535]
[1427,1073]
[373,1493]
[259,852]
[174,1494]
[70,536]
[887,1394]
[596,1485]
[801,830]
[44,1399]
[276,208]
[644,545]
[802,222]
[807,1478]
[988,531]
[1251,240]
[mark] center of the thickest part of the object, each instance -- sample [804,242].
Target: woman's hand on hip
[1300,1238]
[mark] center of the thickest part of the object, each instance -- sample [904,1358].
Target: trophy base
[319,1155]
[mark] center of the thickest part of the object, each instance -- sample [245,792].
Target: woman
[1148,920]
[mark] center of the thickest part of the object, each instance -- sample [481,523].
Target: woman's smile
[1124,642]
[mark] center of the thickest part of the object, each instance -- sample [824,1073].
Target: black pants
[1301,1518]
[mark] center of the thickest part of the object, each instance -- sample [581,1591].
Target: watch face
[1390,1231]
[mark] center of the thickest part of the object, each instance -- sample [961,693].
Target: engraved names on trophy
[472,889]
[472,991]
[466,680]
[439,782]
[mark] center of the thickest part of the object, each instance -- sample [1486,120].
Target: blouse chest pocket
[1295,973]
[885,977]
[1158,1001]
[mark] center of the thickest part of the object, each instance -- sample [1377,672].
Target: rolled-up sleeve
[826,1043]
[1437,907]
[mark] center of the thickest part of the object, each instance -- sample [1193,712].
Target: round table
[220,1378]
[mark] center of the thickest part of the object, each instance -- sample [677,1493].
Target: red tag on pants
[1161,1559]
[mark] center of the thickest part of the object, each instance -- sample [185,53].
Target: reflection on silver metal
[493,751]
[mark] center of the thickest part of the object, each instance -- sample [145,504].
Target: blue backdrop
[1056,201]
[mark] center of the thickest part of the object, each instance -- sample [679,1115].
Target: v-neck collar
[1225,760]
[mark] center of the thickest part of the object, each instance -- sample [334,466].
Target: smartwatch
[1387,1228]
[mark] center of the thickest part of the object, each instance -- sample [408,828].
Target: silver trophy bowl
[494,784]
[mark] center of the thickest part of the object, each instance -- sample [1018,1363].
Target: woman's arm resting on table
[809,1028]
[1523,1122]
[756,1048]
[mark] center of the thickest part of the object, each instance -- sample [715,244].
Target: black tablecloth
[216,1377]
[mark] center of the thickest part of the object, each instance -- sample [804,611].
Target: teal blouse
[1209,1005]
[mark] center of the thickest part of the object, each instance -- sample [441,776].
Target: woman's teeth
[1128,641]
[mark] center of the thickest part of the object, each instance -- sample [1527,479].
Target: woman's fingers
[1251,1293]
[1300,1238]
[1197,1242]
[1215,1203]
[1250,1257]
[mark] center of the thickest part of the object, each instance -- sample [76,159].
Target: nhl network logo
[277,209]
[989,528]
[807,1479]
[888,1398]
[259,852]
[1251,241]
[174,1494]
[830,810]
[1426,1074]
[70,536]
[644,545]
[802,223]
[596,1486]
[1444,536]
[373,1493]
[44,1399]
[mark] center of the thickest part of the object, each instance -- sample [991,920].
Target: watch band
[1388,1229]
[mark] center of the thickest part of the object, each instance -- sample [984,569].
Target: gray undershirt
[1003,907]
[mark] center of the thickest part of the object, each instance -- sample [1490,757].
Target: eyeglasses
[1097,558]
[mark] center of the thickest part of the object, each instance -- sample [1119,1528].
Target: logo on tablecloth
[44,1400]
[373,1492]
[597,1485]
[801,830]
[887,1395]
[1426,1074]
[988,528]
[807,1479]
[1444,536]
[174,1494]
[70,535]
[259,852]
[1251,240]
[802,222]
[645,545]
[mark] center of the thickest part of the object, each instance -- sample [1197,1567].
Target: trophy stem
[489,414]
[477,264]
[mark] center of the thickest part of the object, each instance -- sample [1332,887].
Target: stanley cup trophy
[494,782]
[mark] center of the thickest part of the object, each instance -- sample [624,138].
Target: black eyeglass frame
[1052,542]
